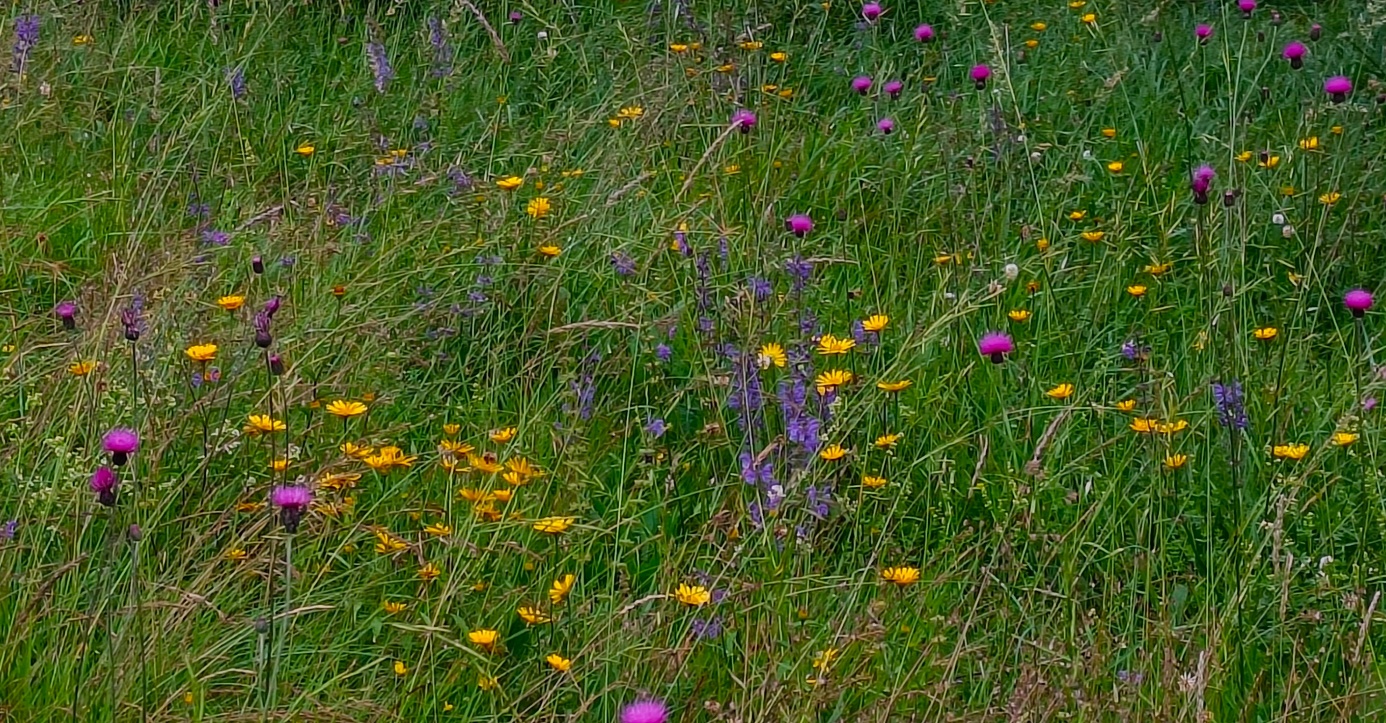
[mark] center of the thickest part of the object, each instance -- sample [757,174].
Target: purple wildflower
[1231,406]
[66,311]
[645,711]
[980,74]
[744,120]
[292,501]
[380,65]
[1203,32]
[996,345]
[885,125]
[707,629]
[442,51]
[924,33]
[893,88]
[235,78]
[861,84]
[656,428]
[121,442]
[623,264]
[1338,88]
[215,237]
[8,530]
[799,224]
[26,32]
[1200,184]
[1294,52]
[664,353]
[760,288]
[871,11]
[104,483]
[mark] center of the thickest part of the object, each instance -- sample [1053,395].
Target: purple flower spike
[893,88]
[104,483]
[1358,301]
[924,33]
[645,711]
[1294,52]
[121,443]
[292,501]
[980,74]
[66,311]
[861,84]
[744,120]
[1338,88]
[996,345]
[799,224]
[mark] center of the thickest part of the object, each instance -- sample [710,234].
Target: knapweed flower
[924,33]
[799,224]
[901,576]
[345,408]
[743,120]
[1203,32]
[291,500]
[979,75]
[1294,52]
[1337,88]
[120,442]
[871,12]
[1358,301]
[1290,451]
[692,595]
[861,84]
[201,353]
[645,711]
[996,345]
[1201,183]
[66,311]
[105,483]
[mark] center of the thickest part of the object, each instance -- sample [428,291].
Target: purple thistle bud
[104,483]
[1203,32]
[272,306]
[645,711]
[516,16]
[861,84]
[1201,182]
[893,88]
[263,337]
[885,125]
[121,442]
[1358,301]
[1315,32]
[257,265]
[799,224]
[871,11]
[1294,52]
[1338,88]
[276,365]
[291,500]
[744,120]
[66,311]
[924,33]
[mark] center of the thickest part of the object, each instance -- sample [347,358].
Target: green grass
[1065,571]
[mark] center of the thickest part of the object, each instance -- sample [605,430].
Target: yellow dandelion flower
[1265,333]
[1309,144]
[1136,290]
[231,303]
[558,592]
[1243,157]
[305,149]
[279,465]
[1125,405]
[235,554]
[1177,425]
[550,251]
[779,56]
[873,482]
[1344,438]
[901,576]
[1157,269]
[558,662]
[1116,166]
[429,572]
[678,47]
[1269,162]
[1093,236]
[832,453]
[829,345]
[1089,18]
[82,40]
[1019,316]
[692,595]
[1176,461]
[1330,198]
[538,207]
[533,615]
[81,368]
[202,352]
[265,423]
[772,354]
[438,529]
[1039,26]
[1041,246]
[401,668]
[1290,451]
[1109,133]
[752,45]
[502,435]
[630,112]
[875,323]
[484,637]
[832,380]
[393,608]
[1144,425]
[887,441]
[892,387]
[553,525]
[1062,391]
[1032,43]
[510,183]
[344,408]
[1077,215]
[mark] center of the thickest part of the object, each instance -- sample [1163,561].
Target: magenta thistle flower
[66,311]
[996,345]
[1338,88]
[885,125]
[1246,6]
[1203,31]
[744,119]
[104,483]
[1201,183]
[645,711]
[980,74]
[924,33]
[1294,52]
[121,443]
[799,224]
[893,88]
[291,500]
[861,84]
[871,11]
[1358,301]
[1315,32]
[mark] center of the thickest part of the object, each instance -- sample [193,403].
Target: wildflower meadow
[683,360]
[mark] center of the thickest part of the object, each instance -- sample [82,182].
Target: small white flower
[1287,231]
[1087,155]
[1035,157]
[1012,272]
[1278,219]
[1020,138]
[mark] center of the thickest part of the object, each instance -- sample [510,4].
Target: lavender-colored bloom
[760,288]
[800,270]
[819,499]
[104,483]
[623,264]
[442,50]
[1246,6]
[26,33]
[1358,301]
[235,79]
[380,65]
[120,442]
[645,711]
[215,237]
[707,629]
[272,306]
[681,243]
[8,530]
[995,345]
[656,428]
[131,317]
[1231,406]
[516,16]
[663,352]
[292,501]
[263,337]
[460,180]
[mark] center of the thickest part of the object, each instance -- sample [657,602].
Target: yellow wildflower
[692,595]
[901,576]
